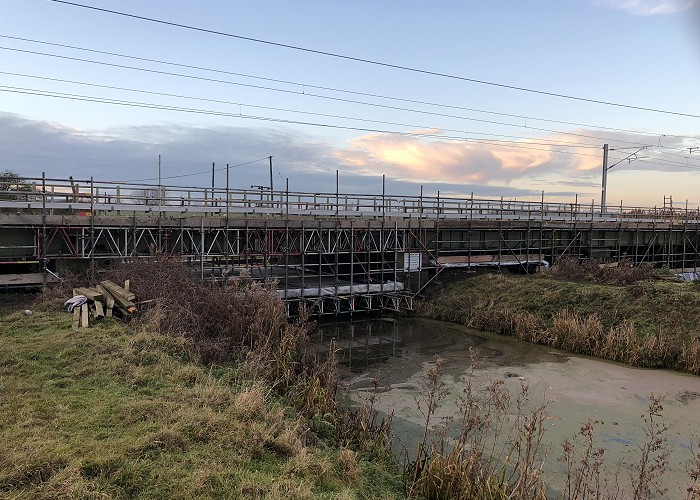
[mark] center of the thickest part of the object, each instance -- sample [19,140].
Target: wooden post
[76,318]
[99,311]
[84,320]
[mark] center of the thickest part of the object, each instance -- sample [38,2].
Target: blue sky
[495,141]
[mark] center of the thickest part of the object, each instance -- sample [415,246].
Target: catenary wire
[40,157]
[288,91]
[197,173]
[272,108]
[378,63]
[510,144]
[334,89]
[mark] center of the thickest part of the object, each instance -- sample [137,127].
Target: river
[397,354]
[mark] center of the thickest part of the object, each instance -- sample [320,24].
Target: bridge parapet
[89,197]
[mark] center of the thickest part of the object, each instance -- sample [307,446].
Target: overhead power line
[305,85]
[666,164]
[75,97]
[378,63]
[197,173]
[288,91]
[287,110]
[501,143]
[109,160]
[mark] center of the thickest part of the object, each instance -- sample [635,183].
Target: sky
[500,99]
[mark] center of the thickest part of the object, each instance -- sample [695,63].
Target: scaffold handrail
[122,198]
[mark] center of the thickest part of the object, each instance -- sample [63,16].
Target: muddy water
[398,353]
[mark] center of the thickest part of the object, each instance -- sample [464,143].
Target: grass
[113,412]
[644,323]
[226,401]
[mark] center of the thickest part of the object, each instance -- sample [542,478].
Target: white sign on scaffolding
[412,261]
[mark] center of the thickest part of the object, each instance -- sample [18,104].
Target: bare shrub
[693,468]
[478,463]
[364,430]
[525,448]
[242,320]
[60,290]
[622,272]
[583,464]
[654,453]
[225,320]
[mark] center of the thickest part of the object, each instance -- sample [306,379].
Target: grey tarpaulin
[74,302]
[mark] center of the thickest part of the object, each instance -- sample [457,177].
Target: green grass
[106,412]
[650,305]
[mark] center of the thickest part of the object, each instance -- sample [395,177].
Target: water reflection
[364,343]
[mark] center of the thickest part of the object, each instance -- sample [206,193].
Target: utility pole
[228,199]
[605,178]
[160,188]
[271,185]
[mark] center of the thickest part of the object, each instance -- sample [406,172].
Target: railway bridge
[338,253]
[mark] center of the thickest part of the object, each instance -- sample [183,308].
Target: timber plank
[89,293]
[117,290]
[108,300]
[124,305]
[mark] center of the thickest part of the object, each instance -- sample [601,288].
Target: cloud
[131,154]
[648,7]
[455,168]
[479,163]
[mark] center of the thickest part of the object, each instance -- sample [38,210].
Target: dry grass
[349,465]
[241,320]
[646,324]
[689,358]
[586,270]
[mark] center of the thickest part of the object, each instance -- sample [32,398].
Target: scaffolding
[332,253]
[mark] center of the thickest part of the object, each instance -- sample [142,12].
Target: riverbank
[140,411]
[645,322]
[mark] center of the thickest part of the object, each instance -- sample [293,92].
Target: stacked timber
[104,300]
